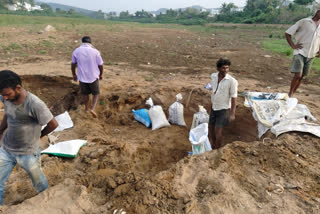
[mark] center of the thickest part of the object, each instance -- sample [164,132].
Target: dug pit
[138,148]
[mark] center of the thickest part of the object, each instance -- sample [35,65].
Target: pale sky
[148,5]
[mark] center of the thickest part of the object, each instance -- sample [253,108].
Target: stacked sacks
[198,135]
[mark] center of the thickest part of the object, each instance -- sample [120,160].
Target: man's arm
[233,109]
[290,42]
[101,71]
[52,125]
[3,125]
[73,70]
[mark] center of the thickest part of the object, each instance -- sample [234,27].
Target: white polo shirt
[306,32]
[222,93]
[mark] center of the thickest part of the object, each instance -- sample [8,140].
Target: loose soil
[126,165]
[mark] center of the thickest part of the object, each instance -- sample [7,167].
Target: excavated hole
[58,92]
[155,151]
[145,150]
[128,146]
[117,110]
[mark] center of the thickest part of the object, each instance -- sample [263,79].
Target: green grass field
[281,46]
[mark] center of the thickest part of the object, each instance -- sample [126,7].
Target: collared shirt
[87,59]
[223,92]
[306,33]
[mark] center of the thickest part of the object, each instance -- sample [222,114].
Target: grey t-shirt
[25,120]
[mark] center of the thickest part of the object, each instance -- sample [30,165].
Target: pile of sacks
[156,118]
[279,113]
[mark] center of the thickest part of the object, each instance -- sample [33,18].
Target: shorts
[219,118]
[301,64]
[90,88]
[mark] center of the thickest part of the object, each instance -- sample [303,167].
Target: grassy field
[281,46]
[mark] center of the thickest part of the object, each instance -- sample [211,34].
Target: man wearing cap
[89,64]
[307,35]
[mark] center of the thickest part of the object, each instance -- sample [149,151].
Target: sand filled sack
[176,112]
[200,117]
[157,116]
[142,116]
[198,137]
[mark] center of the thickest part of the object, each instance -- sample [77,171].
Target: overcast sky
[148,5]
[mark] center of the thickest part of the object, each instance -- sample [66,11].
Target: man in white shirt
[223,97]
[307,35]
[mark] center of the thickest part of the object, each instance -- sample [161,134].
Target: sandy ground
[127,166]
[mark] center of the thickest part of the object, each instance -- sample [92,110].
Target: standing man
[223,97]
[20,131]
[90,68]
[307,35]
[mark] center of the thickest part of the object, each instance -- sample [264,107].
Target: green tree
[71,12]
[171,13]
[226,9]
[143,14]
[303,2]
[46,8]
[124,14]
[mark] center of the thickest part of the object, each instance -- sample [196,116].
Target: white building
[27,6]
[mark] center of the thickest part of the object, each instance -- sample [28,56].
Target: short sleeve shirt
[22,136]
[87,59]
[306,33]
[223,92]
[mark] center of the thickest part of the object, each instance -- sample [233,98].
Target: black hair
[223,61]
[9,79]
[86,39]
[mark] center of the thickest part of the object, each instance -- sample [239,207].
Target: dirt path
[127,166]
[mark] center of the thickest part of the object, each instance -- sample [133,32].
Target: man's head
[10,85]
[223,65]
[86,39]
[317,14]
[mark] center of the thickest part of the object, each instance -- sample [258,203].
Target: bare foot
[93,114]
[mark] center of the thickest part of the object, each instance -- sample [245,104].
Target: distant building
[216,11]
[26,6]
[237,9]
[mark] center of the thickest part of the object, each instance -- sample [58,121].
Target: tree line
[189,16]
[267,11]
[255,11]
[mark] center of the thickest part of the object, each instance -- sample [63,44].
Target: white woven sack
[157,116]
[176,112]
[200,117]
[198,137]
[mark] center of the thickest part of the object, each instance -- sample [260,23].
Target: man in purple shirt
[90,68]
